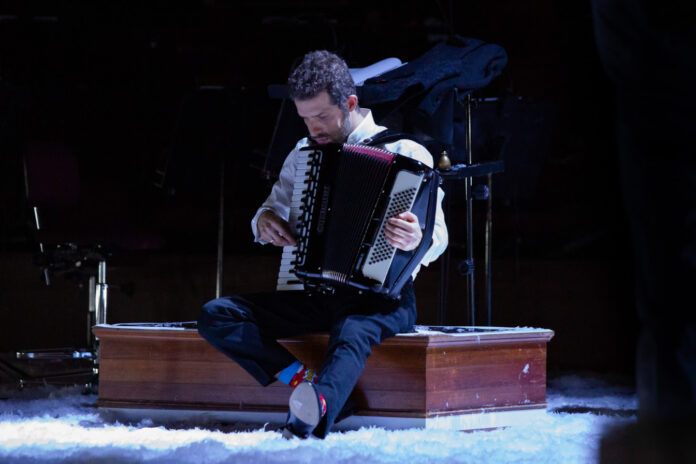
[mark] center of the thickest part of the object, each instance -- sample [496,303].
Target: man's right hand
[273,229]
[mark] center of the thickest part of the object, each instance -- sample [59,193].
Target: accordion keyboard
[287,280]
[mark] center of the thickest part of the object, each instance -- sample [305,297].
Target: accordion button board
[401,199]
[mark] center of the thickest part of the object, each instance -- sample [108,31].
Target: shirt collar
[365,129]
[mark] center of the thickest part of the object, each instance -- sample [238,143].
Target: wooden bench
[460,378]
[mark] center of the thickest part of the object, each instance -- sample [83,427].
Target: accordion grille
[399,204]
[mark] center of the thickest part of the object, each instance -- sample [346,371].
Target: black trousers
[647,50]
[246,328]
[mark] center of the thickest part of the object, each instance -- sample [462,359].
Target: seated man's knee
[212,306]
[358,334]
[210,312]
[204,316]
[224,310]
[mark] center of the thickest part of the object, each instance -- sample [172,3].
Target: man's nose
[314,129]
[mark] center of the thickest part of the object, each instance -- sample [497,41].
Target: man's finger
[269,234]
[402,240]
[400,244]
[281,234]
[282,240]
[396,232]
[283,230]
[277,228]
[408,216]
[396,243]
[396,223]
[287,241]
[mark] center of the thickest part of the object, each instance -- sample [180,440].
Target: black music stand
[466,172]
[440,132]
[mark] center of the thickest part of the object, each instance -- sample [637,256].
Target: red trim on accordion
[378,153]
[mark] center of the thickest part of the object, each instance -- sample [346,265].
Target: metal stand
[98,290]
[59,366]
[221,231]
[467,172]
[65,366]
[468,184]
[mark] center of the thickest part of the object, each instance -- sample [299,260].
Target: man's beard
[343,131]
[345,127]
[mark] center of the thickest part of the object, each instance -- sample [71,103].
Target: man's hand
[403,231]
[273,229]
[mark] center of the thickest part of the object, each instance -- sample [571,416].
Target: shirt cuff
[254,220]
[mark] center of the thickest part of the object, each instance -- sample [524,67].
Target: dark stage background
[106,97]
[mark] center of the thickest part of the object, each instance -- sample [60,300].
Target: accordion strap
[388,136]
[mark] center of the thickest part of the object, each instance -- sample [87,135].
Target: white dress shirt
[279,199]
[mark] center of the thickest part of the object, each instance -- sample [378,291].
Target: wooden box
[454,377]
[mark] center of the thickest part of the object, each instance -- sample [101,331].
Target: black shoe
[306,410]
[347,410]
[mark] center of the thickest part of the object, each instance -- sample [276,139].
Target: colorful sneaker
[307,407]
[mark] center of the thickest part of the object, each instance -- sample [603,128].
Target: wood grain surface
[407,375]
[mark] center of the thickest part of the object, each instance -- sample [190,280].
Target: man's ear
[351,102]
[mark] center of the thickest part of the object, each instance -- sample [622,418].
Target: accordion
[343,194]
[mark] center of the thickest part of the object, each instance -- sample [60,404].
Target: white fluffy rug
[62,425]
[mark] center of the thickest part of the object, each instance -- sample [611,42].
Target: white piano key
[288,287]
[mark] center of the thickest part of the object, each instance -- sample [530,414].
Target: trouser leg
[663,220]
[245,328]
[637,41]
[350,343]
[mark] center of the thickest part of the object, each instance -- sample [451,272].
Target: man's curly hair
[322,71]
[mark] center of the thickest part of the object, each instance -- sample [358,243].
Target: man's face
[325,121]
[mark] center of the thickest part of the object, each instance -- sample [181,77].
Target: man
[647,48]
[246,327]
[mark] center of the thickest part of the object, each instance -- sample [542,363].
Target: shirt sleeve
[440,236]
[278,200]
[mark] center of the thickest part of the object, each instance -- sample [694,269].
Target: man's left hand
[403,231]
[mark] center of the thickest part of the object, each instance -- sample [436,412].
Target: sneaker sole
[304,404]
